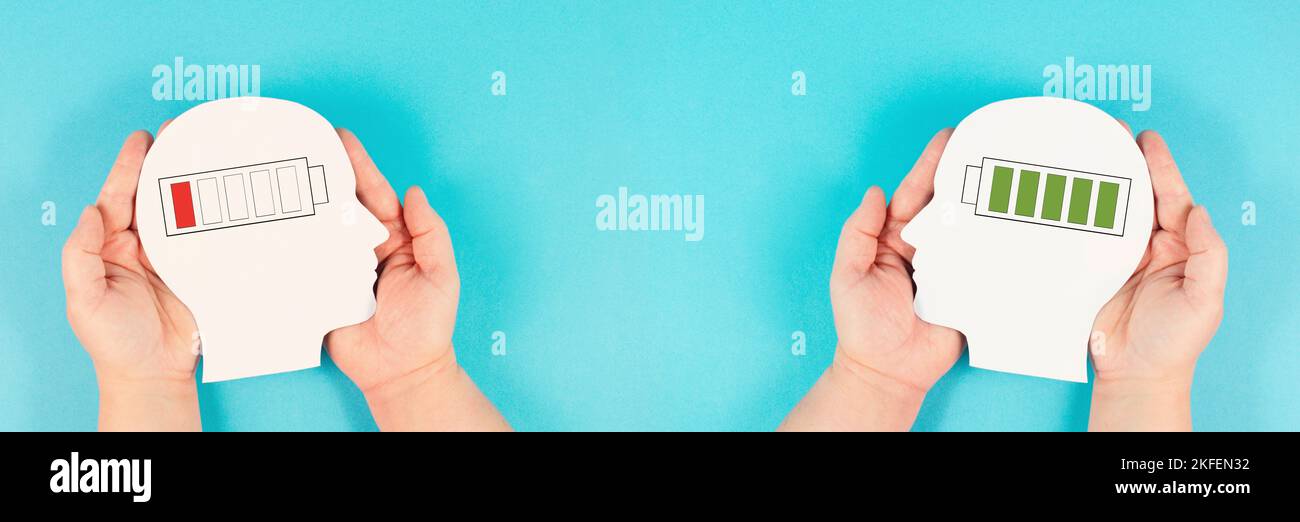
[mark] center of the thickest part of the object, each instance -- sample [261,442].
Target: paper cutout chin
[247,209]
[1042,210]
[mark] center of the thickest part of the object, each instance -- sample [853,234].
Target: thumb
[430,239]
[1207,263]
[859,239]
[83,268]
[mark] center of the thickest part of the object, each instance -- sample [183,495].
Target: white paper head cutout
[1042,209]
[247,210]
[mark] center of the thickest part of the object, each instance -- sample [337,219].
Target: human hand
[140,337]
[872,292]
[1147,338]
[885,351]
[402,357]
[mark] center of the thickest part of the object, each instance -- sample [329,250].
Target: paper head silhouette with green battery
[247,210]
[1042,209]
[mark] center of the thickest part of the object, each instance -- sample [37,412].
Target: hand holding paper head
[402,357]
[887,358]
[1019,255]
[142,336]
[139,335]
[257,217]
[1149,336]
[1041,211]
[247,208]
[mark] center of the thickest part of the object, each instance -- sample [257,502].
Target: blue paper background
[645,330]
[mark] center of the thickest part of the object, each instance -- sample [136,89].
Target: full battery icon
[1045,195]
[239,196]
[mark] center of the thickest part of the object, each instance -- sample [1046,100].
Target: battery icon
[1044,195]
[244,195]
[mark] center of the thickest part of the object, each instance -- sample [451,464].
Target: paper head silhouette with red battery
[247,210]
[1042,209]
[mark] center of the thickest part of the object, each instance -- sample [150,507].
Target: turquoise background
[644,330]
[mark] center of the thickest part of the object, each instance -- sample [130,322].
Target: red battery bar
[183,204]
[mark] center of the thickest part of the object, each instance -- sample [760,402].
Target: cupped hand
[129,322]
[417,291]
[141,338]
[880,336]
[1156,326]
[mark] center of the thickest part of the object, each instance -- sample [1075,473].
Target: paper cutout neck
[247,209]
[1042,210]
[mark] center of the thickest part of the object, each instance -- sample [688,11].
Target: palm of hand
[1153,324]
[125,317]
[417,291]
[878,326]
[412,326]
[137,306]
[1163,317]
[871,285]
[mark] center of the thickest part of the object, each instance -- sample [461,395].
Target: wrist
[411,383]
[438,396]
[880,383]
[392,401]
[892,402]
[133,404]
[1141,404]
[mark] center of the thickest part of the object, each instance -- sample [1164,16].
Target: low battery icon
[239,196]
[1044,195]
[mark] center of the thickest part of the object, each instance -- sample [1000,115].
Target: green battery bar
[1046,195]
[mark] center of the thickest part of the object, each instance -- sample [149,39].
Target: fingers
[918,187]
[430,239]
[372,188]
[1173,201]
[117,199]
[163,126]
[83,268]
[1206,273]
[859,239]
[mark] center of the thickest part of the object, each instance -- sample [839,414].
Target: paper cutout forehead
[247,209]
[1042,210]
